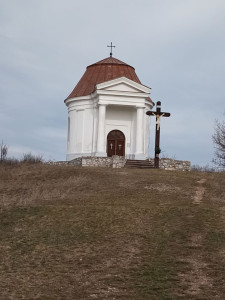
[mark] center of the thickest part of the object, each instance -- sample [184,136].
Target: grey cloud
[176,47]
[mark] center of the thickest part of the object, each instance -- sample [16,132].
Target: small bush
[206,168]
[31,158]
[4,151]
[11,161]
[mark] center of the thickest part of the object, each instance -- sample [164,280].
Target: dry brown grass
[95,233]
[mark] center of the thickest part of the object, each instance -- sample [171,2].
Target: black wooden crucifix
[111,46]
[158,114]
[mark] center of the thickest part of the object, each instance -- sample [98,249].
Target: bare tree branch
[4,151]
[219,143]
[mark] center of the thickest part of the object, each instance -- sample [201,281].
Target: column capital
[140,106]
[102,104]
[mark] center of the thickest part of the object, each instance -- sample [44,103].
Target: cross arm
[154,113]
[166,114]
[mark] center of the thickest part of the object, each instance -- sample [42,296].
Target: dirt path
[199,192]
[195,278]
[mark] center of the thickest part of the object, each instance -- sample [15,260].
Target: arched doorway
[115,143]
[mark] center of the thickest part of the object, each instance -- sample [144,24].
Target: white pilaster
[139,153]
[95,128]
[72,132]
[101,151]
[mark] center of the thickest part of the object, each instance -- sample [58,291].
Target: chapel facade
[107,113]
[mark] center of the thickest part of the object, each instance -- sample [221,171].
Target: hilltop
[99,233]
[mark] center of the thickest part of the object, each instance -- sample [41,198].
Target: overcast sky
[177,48]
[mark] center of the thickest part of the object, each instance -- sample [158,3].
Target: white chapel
[107,113]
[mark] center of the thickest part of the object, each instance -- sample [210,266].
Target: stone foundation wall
[58,163]
[172,164]
[92,161]
[75,162]
[120,161]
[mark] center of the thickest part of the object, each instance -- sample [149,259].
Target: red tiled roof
[102,71]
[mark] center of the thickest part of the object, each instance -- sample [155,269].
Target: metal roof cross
[111,46]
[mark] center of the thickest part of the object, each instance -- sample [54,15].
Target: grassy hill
[97,233]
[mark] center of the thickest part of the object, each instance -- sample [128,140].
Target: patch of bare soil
[199,192]
[195,241]
[195,278]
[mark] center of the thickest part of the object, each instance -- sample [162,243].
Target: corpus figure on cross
[158,117]
[158,114]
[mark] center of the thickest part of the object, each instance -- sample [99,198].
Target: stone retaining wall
[172,164]
[92,161]
[75,162]
[120,161]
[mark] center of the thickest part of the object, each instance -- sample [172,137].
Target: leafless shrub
[11,161]
[206,168]
[4,151]
[219,143]
[31,158]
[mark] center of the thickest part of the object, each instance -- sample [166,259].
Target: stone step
[139,164]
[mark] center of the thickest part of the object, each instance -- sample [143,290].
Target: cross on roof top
[111,46]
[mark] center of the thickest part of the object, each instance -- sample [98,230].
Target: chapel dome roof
[102,71]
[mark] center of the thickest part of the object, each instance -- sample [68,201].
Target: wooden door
[111,149]
[115,143]
[120,148]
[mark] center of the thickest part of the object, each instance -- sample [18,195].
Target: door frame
[117,136]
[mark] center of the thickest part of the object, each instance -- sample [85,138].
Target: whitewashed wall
[121,97]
